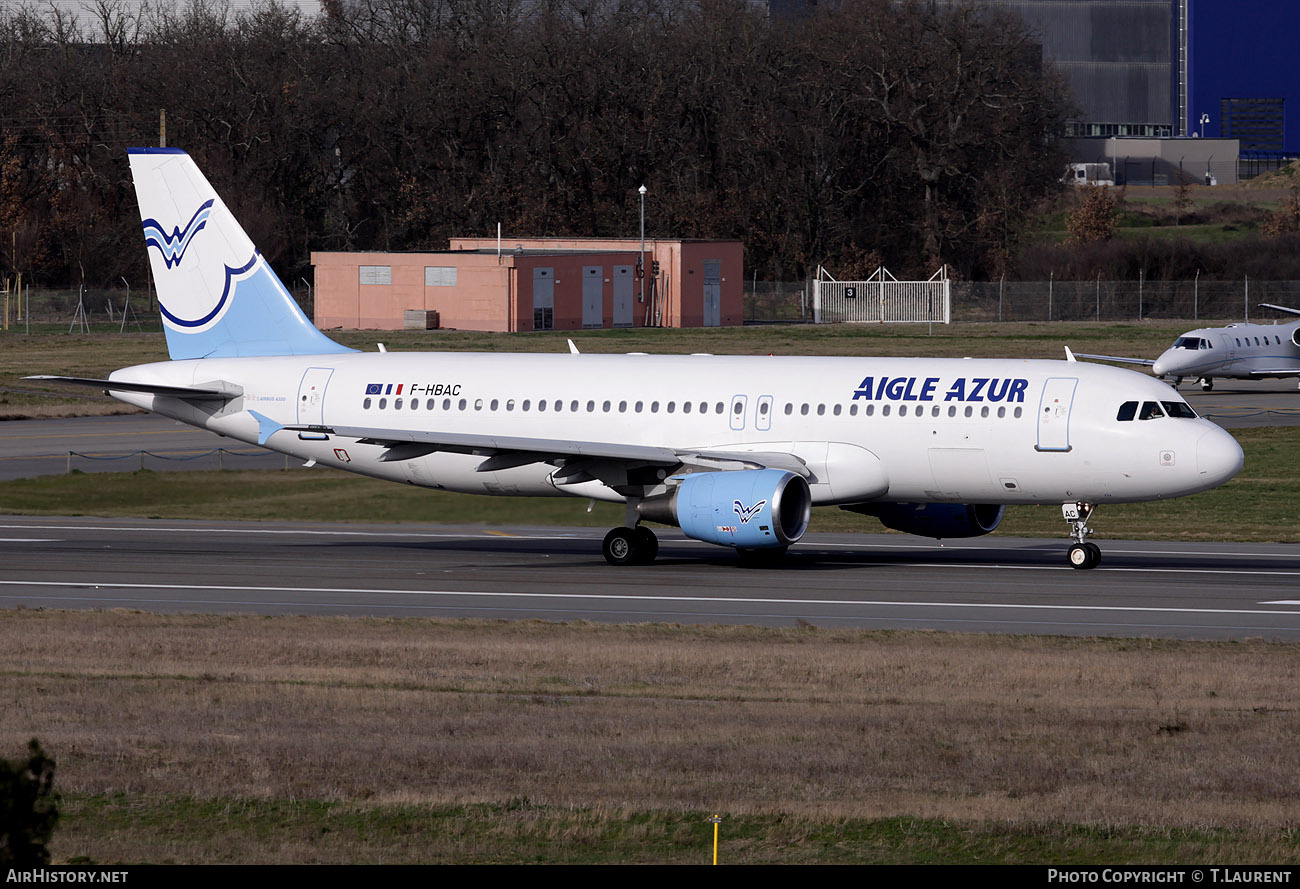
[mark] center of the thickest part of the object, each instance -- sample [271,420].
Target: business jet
[734,451]
[1235,352]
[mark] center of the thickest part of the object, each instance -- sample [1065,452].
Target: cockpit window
[1150,411]
[1179,409]
[1127,411]
[1192,342]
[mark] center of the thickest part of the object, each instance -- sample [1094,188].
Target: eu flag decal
[375,389]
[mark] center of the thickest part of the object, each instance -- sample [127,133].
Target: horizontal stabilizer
[1279,308]
[215,391]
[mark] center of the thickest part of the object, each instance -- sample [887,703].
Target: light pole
[641,259]
[1205,118]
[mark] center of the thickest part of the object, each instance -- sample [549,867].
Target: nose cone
[1218,457]
[1170,362]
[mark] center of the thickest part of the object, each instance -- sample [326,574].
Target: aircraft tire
[1084,555]
[620,547]
[647,545]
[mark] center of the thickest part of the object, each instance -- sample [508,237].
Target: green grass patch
[1258,505]
[141,829]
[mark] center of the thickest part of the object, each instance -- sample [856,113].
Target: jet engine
[747,508]
[939,520]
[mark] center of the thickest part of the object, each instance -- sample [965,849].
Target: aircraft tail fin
[218,296]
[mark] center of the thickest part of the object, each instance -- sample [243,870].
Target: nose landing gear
[1083,553]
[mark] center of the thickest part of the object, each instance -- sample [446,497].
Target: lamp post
[641,258]
[1205,118]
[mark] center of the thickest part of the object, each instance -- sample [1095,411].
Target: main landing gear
[1207,384]
[1083,553]
[630,546]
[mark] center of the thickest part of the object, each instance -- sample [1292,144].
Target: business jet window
[1150,411]
[1180,409]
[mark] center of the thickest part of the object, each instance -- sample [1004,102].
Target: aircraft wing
[1277,372]
[1147,362]
[215,391]
[1279,308]
[505,451]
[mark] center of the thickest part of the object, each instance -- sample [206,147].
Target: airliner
[734,451]
[1235,352]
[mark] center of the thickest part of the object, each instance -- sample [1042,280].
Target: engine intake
[747,508]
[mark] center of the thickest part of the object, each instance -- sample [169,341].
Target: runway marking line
[733,600]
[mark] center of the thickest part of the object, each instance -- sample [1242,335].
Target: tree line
[907,133]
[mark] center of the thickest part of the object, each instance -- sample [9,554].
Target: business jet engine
[749,509]
[939,520]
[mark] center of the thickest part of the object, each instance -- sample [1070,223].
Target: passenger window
[789,408]
[821,410]
[968,410]
[638,407]
[838,408]
[720,408]
[430,404]
[1002,412]
[510,404]
[686,407]
[494,404]
[446,404]
[478,404]
[984,411]
[672,406]
[902,410]
[527,403]
[541,404]
[803,410]
[573,406]
[397,405]
[383,403]
[622,407]
[1150,411]
[934,411]
[366,404]
[1127,411]
[884,411]
[605,407]
[871,409]
[591,406]
[1017,412]
[853,410]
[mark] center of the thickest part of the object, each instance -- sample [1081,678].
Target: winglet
[1069,356]
[266,427]
[573,349]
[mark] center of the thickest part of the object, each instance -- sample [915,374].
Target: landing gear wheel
[1084,555]
[619,547]
[1207,383]
[1096,553]
[646,545]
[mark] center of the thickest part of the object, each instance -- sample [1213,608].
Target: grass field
[288,740]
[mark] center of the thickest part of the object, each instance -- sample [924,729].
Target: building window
[543,319]
[439,276]
[376,274]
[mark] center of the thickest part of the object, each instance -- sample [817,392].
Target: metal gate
[882,298]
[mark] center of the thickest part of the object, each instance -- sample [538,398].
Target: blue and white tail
[219,298]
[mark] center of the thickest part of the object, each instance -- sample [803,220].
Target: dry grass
[820,724]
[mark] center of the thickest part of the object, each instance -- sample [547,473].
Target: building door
[543,299]
[623,295]
[712,293]
[593,296]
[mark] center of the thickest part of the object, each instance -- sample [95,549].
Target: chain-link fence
[1065,300]
[1120,300]
[125,308]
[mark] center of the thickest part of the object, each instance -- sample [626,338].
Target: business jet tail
[218,296]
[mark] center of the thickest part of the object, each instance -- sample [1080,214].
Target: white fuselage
[895,429]
[1238,351]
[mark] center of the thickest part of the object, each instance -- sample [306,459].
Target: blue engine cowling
[747,508]
[940,520]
